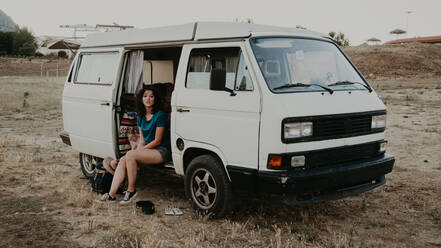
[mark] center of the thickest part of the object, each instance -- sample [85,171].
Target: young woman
[153,147]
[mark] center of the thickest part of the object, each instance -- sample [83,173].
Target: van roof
[196,31]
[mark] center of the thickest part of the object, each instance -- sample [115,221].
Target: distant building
[428,39]
[49,44]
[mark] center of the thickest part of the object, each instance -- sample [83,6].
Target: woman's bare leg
[118,178]
[107,164]
[149,156]
[114,164]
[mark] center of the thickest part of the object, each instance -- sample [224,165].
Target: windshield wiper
[291,86]
[346,82]
[303,85]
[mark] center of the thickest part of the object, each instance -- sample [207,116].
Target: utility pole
[408,12]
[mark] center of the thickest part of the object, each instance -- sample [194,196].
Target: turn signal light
[275,162]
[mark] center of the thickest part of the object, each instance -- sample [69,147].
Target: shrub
[339,38]
[62,54]
[27,49]
[52,55]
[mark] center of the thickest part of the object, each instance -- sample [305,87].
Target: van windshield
[296,64]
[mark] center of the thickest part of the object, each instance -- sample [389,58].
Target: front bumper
[314,185]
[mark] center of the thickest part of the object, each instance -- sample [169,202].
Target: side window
[243,79]
[97,68]
[203,60]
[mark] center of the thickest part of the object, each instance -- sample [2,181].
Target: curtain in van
[134,72]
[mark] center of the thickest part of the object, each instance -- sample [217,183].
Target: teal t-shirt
[148,128]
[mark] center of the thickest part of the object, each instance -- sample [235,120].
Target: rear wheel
[87,163]
[208,187]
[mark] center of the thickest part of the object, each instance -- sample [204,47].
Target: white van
[264,110]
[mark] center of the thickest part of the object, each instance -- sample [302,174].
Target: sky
[359,20]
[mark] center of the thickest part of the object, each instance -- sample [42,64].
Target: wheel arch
[194,151]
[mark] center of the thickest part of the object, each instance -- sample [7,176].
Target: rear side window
[97,68]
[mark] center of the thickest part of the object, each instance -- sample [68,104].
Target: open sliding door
[89,100]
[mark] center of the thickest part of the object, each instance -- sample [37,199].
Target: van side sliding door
[88,102]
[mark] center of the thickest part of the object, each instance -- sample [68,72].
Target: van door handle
[183,110]
[105,104]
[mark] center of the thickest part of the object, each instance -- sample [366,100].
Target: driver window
[231,59]
[203,60]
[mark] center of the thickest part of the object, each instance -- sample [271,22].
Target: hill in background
[6,23]
[395,61]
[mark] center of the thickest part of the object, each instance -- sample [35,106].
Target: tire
[87,163]
[207,186]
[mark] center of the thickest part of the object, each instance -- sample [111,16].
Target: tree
[6,43]
[339,38]
[27,49]
[24,42]
[19,42]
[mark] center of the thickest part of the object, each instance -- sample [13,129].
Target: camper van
[262,110]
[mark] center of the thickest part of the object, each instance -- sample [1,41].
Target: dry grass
[41,175]
[43,94]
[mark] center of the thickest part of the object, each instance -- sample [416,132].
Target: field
[47,202]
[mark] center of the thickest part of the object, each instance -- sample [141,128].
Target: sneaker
[107,198]
[120,191]
[128,196]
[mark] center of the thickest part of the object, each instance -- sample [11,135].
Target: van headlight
[378,121]
[297,130]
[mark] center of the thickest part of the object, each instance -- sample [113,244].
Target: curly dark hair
[140,108]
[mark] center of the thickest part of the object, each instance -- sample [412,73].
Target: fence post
[57,69]
[41,69]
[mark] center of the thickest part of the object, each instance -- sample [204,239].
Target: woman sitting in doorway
[153,147]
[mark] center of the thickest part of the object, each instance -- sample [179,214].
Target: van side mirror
[218,80]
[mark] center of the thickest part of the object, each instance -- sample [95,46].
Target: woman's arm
[141,141]
[159,133]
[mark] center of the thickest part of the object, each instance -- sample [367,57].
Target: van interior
[150,66]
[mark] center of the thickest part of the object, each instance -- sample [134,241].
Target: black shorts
[165,153]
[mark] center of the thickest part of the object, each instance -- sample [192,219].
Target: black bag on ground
[102,180]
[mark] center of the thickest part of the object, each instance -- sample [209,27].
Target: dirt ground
[45,201]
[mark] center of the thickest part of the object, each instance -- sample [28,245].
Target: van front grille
[333,156]
[335,126]
[342,125]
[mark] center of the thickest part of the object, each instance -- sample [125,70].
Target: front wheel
[208,187]
[87,163]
